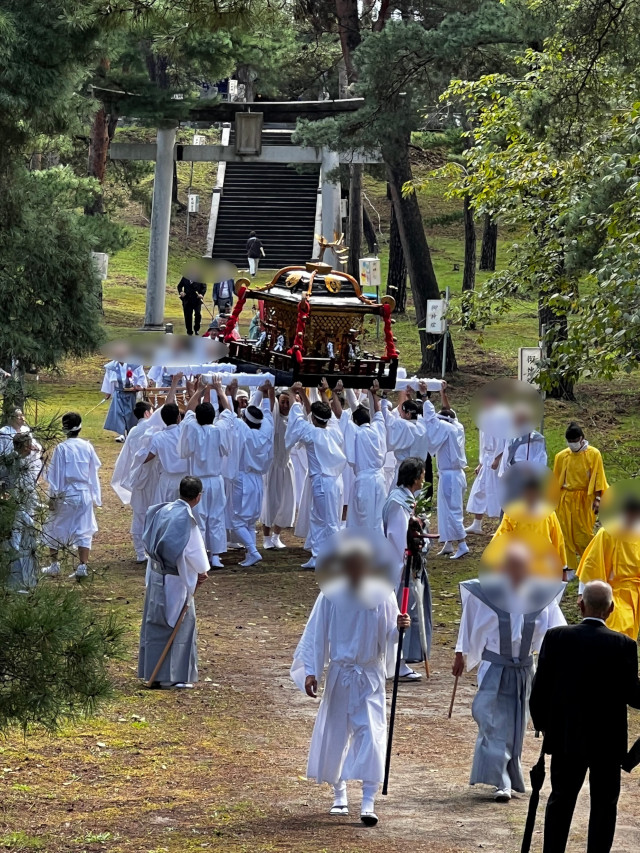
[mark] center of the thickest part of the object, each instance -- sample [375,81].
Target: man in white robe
[132,480]
[365,445]
[178,564]
[205,442]
[279,501]
[495,428]
[505,616]
[254,429]
[324,444]
[165,448]
[74,489]
[406,433]
[354,637]
[447,444]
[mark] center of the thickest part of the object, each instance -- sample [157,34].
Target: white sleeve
[94,480]
[297,427]
[312,652]
[107,384]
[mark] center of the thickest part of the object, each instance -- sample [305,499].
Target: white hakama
[357,645]
[75,489]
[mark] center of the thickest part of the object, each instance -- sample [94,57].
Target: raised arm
[175,381]
[196,396]
[336,405]
[297,390]
[223,400]
[443,396]
[374,400]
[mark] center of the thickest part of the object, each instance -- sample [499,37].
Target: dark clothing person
[587,676]
[190,293]
[254,252]
[223,295]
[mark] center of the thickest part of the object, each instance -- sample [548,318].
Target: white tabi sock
[340,794]
[369,791]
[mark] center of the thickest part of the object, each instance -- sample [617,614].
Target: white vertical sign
[436,323]
[528,363]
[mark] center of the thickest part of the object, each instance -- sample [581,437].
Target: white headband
[251,418]
[73,429]
[322,420]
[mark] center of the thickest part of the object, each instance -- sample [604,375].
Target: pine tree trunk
[469,274]
[354,237]
[489,244]
[556,328]
[369,232]
[424,285]
[397,272]
[98,153]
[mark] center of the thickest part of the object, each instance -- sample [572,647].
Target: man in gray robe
[178,564]
[505,615]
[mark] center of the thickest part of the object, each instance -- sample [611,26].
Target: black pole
[394,696]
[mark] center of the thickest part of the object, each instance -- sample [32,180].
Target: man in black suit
[586,677]
[191,292]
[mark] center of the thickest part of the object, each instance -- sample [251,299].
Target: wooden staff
[453,696]
[166,649]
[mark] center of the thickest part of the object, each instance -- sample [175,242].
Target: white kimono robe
[495,425]
[165,445]
[326,458]
[132,480]
[74,485]
[204,448]
[366,449]
[404,438]
[254,460]
[446,440]
[357,645]
[279,502]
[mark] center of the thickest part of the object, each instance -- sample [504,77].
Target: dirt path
[222,767]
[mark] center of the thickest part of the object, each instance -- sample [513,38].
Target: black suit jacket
[191,289]
[586,677]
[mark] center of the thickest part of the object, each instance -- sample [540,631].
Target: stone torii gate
[165,152]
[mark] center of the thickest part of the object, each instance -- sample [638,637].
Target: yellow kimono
[579,475]
[537,527]
[613,556]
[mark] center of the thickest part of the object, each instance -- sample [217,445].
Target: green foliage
[48,285]
[54,653]
[554,154]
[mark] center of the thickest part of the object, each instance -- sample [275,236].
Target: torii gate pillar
[159,231]
[331,193]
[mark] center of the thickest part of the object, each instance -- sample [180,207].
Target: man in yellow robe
[580,475]
[613,556]
[531,519]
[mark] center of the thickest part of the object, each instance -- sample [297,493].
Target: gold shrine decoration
[341,251]
[332,284]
